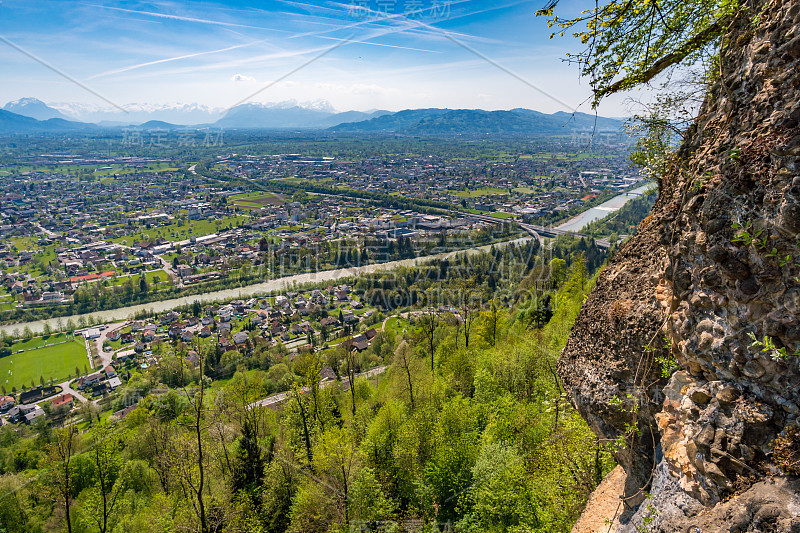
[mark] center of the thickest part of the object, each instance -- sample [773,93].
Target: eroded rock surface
[710,279]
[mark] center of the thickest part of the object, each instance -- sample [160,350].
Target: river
[576,224]
[241,293]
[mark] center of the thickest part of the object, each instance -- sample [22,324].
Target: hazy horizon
[357,55]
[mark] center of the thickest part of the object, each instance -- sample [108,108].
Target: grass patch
[125,169]
[255,199]
[501,215]
[483,191]
[39,342]
[56,361]
[396,325]
[177,232]
[148,276]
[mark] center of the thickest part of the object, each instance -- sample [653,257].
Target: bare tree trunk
[62,450]
[558,394]
[304,415]
[351,374]
[196,402]
[410,386]
[200,502]
[346,497]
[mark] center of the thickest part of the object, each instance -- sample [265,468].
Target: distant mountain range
[29,115]
[477,122]
[291,116]
[137,113]
[14,123]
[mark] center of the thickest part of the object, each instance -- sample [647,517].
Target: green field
[121,170]
[500,214]
[43,256]
[397,325]
[38,342]
[176,232]
[483,191]
[162,277]
[255,199]
[99,172]
[57,361]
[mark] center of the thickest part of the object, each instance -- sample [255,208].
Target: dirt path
[603,506]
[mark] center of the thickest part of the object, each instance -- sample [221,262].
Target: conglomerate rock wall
[711,280]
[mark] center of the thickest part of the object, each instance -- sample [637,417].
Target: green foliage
[768,346]
[630,404]
[654,145]
[488,443]
[749,236]
[666,359]
[629,42]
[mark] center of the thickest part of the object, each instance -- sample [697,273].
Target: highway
[536,231]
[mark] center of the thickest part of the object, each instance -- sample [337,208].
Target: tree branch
[691,46]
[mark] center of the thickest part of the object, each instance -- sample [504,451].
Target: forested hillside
[468,428]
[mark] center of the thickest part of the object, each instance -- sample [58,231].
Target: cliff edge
[711,282]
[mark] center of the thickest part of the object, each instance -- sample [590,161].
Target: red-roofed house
[6,402]
[64,399]
[91,277]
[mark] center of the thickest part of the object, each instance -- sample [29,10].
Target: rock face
[711,280]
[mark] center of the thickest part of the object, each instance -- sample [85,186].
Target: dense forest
[467,428]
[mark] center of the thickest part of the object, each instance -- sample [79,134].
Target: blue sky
[355,54]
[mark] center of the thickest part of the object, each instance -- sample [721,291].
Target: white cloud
[357,88]
[241,78]
[364,88]
[330,87]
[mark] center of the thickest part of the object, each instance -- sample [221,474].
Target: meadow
[482,191]
[255,199]
[54,357]
[178,231]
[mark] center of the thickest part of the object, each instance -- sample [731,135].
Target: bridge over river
[574,225]
[538,232]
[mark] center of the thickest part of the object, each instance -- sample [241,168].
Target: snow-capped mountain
[290,114]
[276,115]
[137,113]
[33,108]
[286,114]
